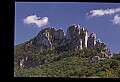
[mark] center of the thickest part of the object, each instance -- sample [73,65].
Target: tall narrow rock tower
[85,38]
[92,40]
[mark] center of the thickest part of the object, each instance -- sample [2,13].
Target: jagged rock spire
[92,40]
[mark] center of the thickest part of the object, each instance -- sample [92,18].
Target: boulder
[26,63]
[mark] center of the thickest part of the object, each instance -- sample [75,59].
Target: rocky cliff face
[92,40]
[50,38]
[105,52]
[76,38]
[73,37]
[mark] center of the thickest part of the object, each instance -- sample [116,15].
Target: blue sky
[101,18]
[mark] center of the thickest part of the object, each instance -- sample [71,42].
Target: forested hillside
[67,64]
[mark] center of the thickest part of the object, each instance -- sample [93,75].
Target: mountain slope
[73,67]
[53,54]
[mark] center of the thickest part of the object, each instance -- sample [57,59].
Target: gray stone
[92,40]
[26,63]
[76,38]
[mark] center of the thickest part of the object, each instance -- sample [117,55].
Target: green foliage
[67,64]
[116,56]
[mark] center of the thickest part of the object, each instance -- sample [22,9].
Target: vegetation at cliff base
[67,64]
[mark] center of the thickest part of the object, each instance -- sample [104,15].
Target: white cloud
[116,19]
[33,19]
[101,12]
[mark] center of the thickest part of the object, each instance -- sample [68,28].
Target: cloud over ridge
[116,19]
[38,21]
[101,12]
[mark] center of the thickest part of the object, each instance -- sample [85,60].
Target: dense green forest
[67,64]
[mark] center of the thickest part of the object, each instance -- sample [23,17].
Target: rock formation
[49,38]
[92,40]
[76,38]
[103,49]
[26,63]
[73,37]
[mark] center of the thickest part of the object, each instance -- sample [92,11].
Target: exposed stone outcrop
[26,63]
[105,52]
[43,39]
[92,40]
[73,37]
[73,32]
[76,38]
[50,37]
[97,59]
[84,38]
[58,38]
